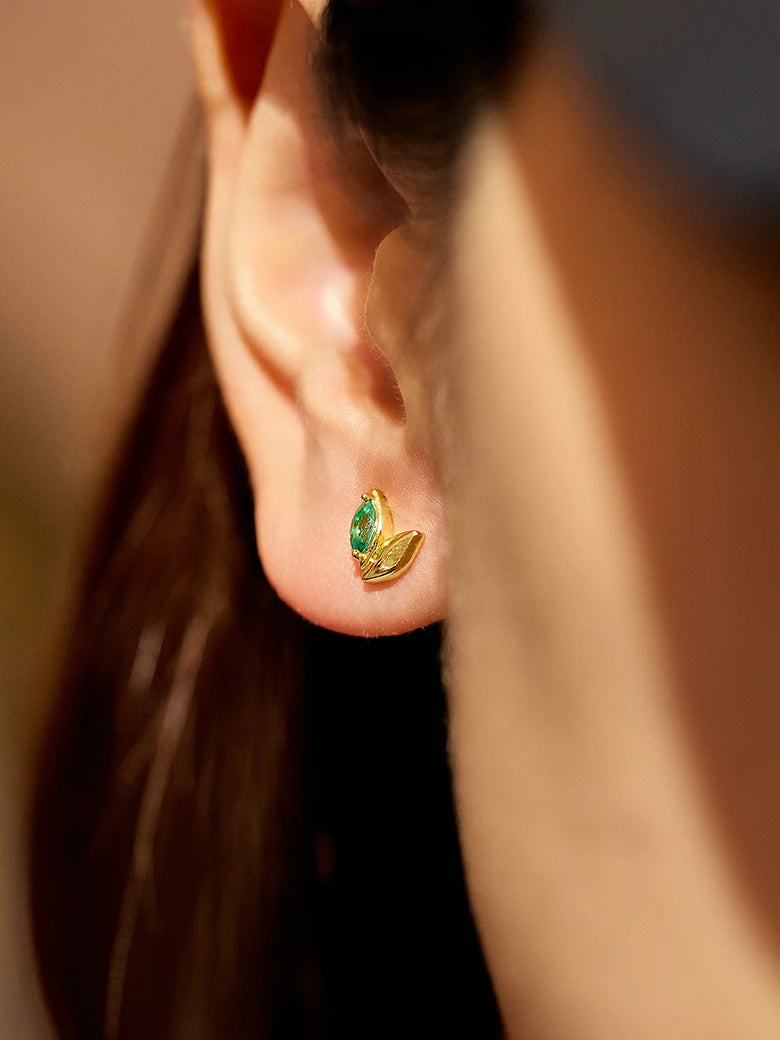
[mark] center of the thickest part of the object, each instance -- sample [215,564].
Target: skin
[598,427]
[615,664]
[289,259]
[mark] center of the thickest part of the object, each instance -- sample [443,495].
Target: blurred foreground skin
[613,629]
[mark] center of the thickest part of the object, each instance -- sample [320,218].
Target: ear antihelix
[381,554]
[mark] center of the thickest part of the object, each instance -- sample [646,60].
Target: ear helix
[381,554]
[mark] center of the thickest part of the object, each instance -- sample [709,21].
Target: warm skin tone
[609,451]
[289,256]
[614,639]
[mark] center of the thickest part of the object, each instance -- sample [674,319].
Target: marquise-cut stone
[362,528]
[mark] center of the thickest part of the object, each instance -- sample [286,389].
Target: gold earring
[381,554]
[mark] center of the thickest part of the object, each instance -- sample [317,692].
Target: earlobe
[288,260]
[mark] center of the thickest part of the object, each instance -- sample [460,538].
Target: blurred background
[100,188]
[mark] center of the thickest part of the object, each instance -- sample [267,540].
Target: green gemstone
[362,528]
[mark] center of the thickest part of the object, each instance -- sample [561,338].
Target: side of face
[614,647]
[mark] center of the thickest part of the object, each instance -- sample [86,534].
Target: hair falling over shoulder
[168,775]
[232,837]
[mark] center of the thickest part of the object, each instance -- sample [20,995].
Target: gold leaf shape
[395,556]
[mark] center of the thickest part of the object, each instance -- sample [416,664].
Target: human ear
[324,411]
